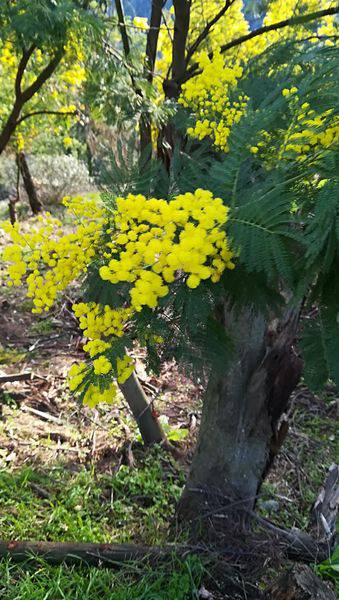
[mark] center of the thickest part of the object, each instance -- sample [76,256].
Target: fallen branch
[42,415]
[318,546]
[15,377]
[74,553]
[297,545]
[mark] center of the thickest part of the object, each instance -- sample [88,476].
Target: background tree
[38,40]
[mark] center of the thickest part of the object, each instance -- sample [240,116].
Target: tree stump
[300,583]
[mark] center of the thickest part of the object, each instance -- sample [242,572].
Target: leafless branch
[26,55]
[46,112]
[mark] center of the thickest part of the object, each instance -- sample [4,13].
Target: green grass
[131,505]
[329,569]
[178,580]
[302,467]
[42,326]
[86,505]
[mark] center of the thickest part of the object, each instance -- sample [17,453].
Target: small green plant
[329,569]
[9,356]
[43,326]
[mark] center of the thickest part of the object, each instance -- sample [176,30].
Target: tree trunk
[34,201]
[240,431]
[168,135]
[10,125]
[145,126]
[148,423]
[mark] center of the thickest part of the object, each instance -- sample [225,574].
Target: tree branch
[21,97]
[152,38]
[46,112]
[42,78]
[182,9]
[194,69]
[74,553]
[207,29]
[26,55]
[122,27]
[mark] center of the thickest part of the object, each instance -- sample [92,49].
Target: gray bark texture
[240,429]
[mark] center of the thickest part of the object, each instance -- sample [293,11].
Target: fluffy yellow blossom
[208,96]
[94,395]
[102,365]
[76,375]
[66,256]
[125,367]
[67,141]
[184,235]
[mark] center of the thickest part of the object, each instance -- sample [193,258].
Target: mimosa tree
[215,259]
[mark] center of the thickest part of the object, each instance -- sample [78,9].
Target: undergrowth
[67,502]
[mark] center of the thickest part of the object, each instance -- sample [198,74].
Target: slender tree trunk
[168,136]
[14,199]
[10,125]
[34,201]
[240,430]
[148,423]
[151,52]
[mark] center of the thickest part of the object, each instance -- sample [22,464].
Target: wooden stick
[43,415]
[72,553]
[15,377]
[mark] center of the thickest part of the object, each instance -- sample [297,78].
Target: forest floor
[71,473]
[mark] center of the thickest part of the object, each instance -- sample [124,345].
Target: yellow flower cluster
[66,256]
[154,240]
[280,10]
[232,25]
[141,23]
[96,320]
[208,96]
[308,131]
[102,365]
[146,242]
[99,321]
[93,394]
[125,368]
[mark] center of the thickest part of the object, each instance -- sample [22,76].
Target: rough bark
[240,431]
[28,182]
[148,423]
